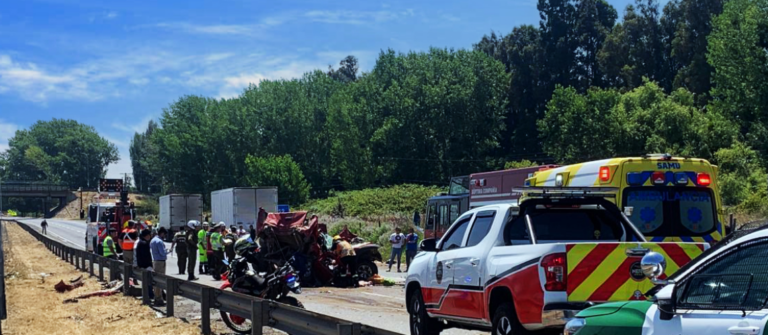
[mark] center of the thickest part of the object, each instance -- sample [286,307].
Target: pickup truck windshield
[671,211]
[565,225]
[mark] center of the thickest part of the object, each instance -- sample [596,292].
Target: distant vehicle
[668,198]
[479,189]
[240,205]
[513,269]
[723,291]
[177,209]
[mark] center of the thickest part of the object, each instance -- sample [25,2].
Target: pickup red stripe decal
[618,278]
[676,253]
[588,264]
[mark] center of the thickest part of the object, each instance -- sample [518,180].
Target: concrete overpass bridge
[46,192]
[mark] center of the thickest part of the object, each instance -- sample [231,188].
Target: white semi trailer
[177,209]
[240,205]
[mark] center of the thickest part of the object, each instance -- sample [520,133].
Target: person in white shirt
[396,240]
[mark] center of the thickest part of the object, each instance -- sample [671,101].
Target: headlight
[573,326]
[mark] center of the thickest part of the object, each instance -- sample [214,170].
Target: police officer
[203,249]
[180,241]
[218,250]
[192,249]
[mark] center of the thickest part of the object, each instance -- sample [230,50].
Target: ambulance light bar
[568,192]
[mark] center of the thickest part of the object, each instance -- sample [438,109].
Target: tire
[421,323]
[505,321]
[366,269]
[243,328]
[291,301]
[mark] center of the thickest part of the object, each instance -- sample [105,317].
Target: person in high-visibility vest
[218,250]
[109,245]
[202,249]
[128,241]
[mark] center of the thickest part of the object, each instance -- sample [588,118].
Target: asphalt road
[376,306]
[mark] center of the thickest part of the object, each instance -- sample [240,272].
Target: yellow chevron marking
[577,253]
[691,250]
[625,291]
[599,275]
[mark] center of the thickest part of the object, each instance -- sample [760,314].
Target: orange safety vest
[127,241]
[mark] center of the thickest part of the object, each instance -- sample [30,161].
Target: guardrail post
[113,270]
[101,268]
[170,293]
[350,329]
[205,304]
[127,274]
[90,262]
[146,278]
[259,314]
[82,260]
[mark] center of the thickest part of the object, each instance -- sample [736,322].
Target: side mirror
[628,211]
[429,245]
[653,265]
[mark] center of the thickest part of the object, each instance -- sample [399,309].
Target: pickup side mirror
[429,245]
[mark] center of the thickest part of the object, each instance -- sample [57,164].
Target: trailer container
[240,205]
[177,209]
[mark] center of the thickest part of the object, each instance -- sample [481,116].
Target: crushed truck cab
[513,269]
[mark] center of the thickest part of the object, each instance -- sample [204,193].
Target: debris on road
[103,293]
[62,287]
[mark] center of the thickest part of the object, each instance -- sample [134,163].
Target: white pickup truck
[517,269]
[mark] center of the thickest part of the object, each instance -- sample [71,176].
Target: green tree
[742,179]
[737,52]
[689,47]
[520,164]
[558,40]
[59,151]
[594,21]
[142,153]
[347,71]
[280,171]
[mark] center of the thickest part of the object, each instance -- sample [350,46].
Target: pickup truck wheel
[421,323]
[505,321]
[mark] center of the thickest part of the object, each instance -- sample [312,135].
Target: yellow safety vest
[105,246]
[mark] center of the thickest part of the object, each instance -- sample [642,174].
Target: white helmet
[193,224]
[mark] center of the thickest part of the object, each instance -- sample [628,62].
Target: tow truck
[516,268]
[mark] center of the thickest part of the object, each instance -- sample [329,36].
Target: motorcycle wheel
[291,301]
[237,323]
[366,269]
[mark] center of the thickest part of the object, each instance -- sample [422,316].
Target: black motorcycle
[273,286]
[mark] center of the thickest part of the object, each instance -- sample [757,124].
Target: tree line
[686,79]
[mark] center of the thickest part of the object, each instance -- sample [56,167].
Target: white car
[724,291]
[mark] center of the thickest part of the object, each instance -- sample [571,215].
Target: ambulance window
[696,212]
[454,213]
[480,228]
[444,222]
[431,216]
[648,209]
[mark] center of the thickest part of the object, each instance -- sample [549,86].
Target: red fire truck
[118,215]
[475,190]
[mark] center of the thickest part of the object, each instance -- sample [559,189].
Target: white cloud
[35,84]
[356,17]
[138,81]
[7,130]
[212,58]
[138,127]
[449,17]
[110,15]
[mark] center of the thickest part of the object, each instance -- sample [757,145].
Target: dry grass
[35,308]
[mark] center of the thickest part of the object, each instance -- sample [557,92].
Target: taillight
[703,179]
[605,173]
[554,271]
[659,178]
[290,278]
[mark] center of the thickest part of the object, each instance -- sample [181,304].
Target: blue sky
[116,64]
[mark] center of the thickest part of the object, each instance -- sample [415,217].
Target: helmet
[205,224]
[337,237]
[193,224]
[244,245]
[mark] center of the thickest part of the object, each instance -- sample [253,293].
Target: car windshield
[671,211]
[565,225]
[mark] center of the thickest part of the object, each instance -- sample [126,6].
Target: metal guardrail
[262,313]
